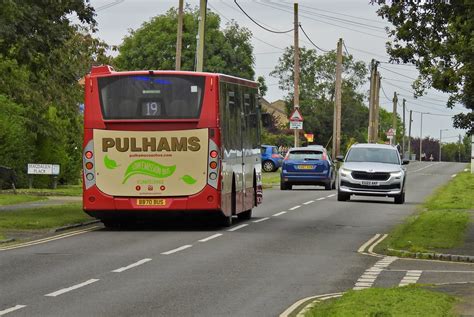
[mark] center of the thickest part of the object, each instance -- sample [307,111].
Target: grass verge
[11,199]
[61,190]
[398,301]
[42,218]
[271,179]
[440,223]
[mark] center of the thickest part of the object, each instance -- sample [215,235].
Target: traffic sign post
[390,135]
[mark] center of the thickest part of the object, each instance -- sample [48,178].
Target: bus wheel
[245,215]
[112,224]
[226,221]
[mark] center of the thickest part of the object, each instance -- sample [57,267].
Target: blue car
[308,166]
[271,159]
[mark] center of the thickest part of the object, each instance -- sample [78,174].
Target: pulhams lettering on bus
[152,144]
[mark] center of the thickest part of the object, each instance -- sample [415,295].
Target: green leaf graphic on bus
[109,163]
[148,168]
[188,179]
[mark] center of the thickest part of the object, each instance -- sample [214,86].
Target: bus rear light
[213,176]
[89,155]
[89,165]
[213,165]
[213,154]
[90,176]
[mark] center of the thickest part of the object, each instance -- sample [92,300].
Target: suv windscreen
[376,155]
[151,96]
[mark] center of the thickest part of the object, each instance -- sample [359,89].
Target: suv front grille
[377,176]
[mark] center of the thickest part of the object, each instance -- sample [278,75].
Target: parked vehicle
[271,159]
[372,170]
[308,166]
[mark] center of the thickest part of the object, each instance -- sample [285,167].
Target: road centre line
[238,227]
[295,207]
[322,198]
[260,220]
[11,309]
[181,248]
[420,169]
[308,202]
[211,237]
[279,213]
[120,270]
[332,195]
[74,287]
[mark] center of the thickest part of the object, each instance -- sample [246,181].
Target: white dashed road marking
[11,309]
[367,279]
[238,227]
[211,237]
[296,207]
[279,214]
[331,195]
[120,270]
[411,277]
[308,202]
[184,247]
[260,220]
[74,287]
[322,198]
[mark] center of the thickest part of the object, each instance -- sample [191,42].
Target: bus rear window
[151,97]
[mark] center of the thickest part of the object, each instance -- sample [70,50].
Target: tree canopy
[437,37]
[153,45]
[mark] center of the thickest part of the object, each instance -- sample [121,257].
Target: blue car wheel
[268,166]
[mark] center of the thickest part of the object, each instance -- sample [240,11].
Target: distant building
[277,109]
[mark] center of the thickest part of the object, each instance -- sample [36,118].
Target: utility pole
[421,133]
[337,104]
[179,38]
[377,106]
[440,138]
[373,70]
[201,35]
[459,149]
[404,128]
[409,136]
[296,74]
[394,116]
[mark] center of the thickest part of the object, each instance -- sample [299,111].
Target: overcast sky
[325,21]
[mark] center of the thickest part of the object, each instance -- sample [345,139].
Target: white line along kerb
[11,309]
[210,237]
[68,289]
[365,245]
[184,247]
[120,270]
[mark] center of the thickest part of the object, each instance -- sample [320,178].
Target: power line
[108,5]
[400,74]
[319,48]
[433,114]
[266,29]
[345,48]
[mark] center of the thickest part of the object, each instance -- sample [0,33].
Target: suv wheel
[342,196]
[285,186]
[400,199]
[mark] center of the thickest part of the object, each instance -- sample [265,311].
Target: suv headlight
[397,174]
[344,172]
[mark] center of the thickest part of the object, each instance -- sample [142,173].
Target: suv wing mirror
[405,162]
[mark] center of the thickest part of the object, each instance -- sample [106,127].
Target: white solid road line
[68,289]
[11,309]
[260,220]
[308,202]
[279,213]
[238,227]
[364,246]
[454,175]
[120,270]
[322,198]
[184,247]
[210,237]
[295,207]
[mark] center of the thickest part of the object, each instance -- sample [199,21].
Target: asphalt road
[254,270]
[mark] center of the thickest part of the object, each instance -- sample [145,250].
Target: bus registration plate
[151,202]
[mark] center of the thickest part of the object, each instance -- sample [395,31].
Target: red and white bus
[163,141]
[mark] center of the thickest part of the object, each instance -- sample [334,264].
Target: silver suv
[372,170]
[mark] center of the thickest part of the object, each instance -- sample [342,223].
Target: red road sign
[296,115]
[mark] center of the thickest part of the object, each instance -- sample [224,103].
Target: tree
[436,36]
[317,89]
[153,45]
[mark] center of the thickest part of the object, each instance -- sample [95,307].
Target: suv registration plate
[151,202]
[369,183]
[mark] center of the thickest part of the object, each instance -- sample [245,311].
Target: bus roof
[108,70]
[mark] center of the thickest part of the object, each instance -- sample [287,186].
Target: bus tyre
[342,196]
[268,166]
[111,224]
[400,199]
[245,215]
[226,220]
